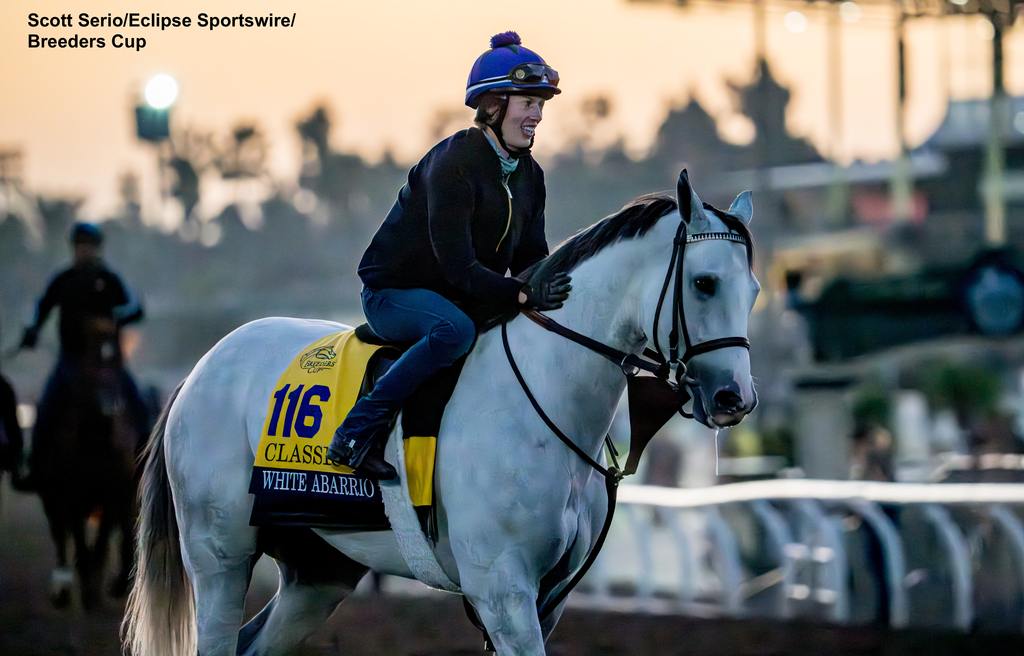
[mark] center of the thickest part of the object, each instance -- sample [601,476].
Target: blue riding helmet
[86,233]
[510,67]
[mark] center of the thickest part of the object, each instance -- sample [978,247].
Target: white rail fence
[945,556]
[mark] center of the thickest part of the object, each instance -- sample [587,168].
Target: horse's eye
[705,285]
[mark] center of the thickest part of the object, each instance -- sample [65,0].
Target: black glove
[547,294]
[29,339]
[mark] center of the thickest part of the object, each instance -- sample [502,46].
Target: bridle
[653,360]
[672,395]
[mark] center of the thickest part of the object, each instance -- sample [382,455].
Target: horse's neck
[578,388]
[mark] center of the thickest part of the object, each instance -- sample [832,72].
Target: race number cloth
[292,481]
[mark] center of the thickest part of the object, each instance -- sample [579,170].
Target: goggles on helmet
[533,73]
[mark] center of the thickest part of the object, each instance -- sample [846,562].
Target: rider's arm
[50,299]
[450,205]
[127,308]
[533,245]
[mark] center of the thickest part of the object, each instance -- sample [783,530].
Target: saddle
[422,412]
[293,483]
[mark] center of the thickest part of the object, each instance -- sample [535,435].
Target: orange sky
[385,67]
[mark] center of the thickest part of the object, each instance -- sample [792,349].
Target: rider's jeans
[442,334]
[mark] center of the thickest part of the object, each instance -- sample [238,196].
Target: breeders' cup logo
[323,357]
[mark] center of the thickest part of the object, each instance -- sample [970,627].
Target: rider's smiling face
[521,119]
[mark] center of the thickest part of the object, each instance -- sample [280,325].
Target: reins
[612,475]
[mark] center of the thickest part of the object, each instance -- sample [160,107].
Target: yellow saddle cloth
[292,480]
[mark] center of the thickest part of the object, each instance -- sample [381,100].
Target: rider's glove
[547,294]
[29,339]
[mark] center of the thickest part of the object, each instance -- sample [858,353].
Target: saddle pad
[292,481]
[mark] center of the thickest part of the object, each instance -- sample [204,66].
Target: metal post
[995,158]
[837,193]
[901,184]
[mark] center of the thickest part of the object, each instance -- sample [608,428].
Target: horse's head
[714,292]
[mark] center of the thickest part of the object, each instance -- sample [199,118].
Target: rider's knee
[454,336]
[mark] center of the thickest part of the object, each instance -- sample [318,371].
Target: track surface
[429,625]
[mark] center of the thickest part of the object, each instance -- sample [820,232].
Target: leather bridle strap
[714,345]
[630,363]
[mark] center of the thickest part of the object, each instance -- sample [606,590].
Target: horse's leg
[116,518]
[505,599]
[126,552]
[315,578]
[219,553]
[547,625]
[218,550]
[208,466]
[61,578]
[101,547]
[84,563]
[299,608]
[219,586]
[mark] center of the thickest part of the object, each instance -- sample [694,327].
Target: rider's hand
[29,339]
[547,294]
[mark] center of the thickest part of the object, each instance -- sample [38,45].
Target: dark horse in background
[91,422]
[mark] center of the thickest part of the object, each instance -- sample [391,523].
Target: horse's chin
[722,420]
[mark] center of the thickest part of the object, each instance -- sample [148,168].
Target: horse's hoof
[61,581]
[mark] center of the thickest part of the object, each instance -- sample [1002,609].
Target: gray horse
[513,501]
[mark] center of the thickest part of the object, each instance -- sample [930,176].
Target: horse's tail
[160,617]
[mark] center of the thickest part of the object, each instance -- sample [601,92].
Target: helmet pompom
[509,38]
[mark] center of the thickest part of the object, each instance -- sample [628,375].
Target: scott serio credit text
[139,21]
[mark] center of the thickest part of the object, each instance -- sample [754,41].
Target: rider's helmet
[510,68]
[83,232]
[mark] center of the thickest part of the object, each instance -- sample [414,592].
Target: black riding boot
[364,454]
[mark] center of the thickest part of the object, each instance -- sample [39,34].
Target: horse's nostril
[728,400]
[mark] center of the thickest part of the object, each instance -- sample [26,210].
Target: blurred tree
[244,155]
[970,390]
[596,107]
[192,154]
[447,121]
[688,138]
[315,131]
[765,102]
[872,406]
[356,193]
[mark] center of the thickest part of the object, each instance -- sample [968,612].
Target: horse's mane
[632,221]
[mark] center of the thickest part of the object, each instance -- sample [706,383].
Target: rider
[94,304]
[472,209]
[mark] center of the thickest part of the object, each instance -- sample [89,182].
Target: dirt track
[428,625]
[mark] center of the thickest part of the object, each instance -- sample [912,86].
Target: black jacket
[454,230]
[85,292]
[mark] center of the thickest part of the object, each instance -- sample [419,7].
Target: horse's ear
[743,207]
[686,197]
